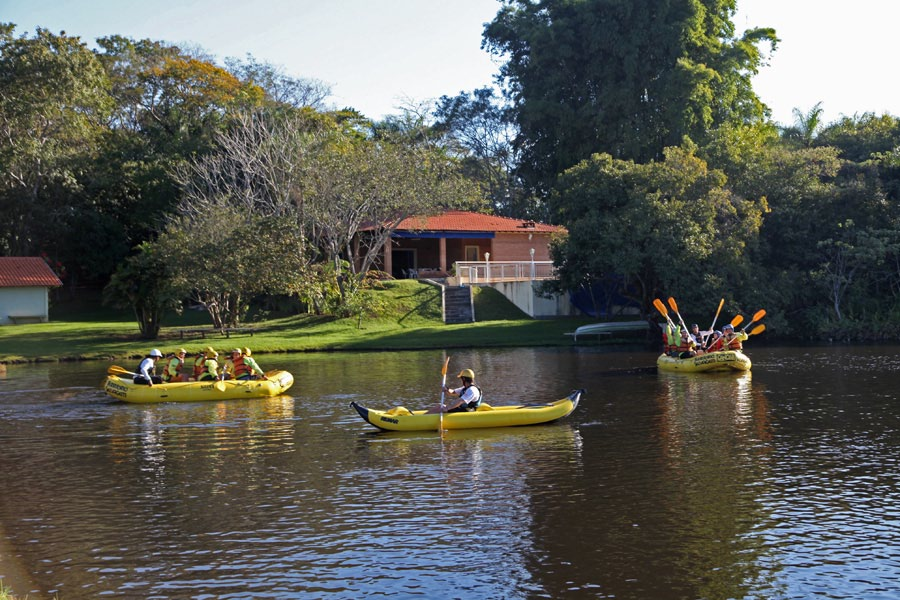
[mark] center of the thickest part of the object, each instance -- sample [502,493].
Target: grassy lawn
[410,320]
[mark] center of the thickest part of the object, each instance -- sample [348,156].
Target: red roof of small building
[26,271]
[458,220]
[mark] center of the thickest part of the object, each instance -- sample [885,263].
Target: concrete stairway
[457,304]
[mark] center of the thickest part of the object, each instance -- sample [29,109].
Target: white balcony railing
[469,272]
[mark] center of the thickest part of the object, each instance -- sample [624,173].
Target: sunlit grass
[411,319]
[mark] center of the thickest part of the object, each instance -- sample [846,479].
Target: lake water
[779,483]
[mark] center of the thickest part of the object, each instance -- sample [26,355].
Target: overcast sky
[377,54]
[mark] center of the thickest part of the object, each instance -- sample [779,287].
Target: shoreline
[14,577]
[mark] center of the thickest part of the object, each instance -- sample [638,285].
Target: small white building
[25,283]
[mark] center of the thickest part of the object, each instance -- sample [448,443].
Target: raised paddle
[756,317]
[758,329]
[716,318]
[662,310]
[443,385]
[737,320]
[675,308]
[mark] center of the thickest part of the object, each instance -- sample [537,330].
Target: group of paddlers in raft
[680,342]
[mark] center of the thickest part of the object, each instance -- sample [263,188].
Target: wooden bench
[21,319]
[226,332]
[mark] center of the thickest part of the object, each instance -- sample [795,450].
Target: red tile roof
[26,271]
[457,220]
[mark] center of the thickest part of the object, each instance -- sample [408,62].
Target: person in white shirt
[468,395]
[146,371]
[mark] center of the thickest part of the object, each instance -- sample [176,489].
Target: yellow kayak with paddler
[402,419]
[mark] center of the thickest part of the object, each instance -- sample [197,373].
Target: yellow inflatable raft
[123,388]
[401,419]
[724,360]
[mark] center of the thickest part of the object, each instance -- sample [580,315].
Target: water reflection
[780,483]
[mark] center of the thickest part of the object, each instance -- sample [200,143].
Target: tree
[223,259]
[670,226]
[624,78]
[280,88]
[342,192]
[54,98]
[862,137]
[806,126]
[143,283]
[477,129]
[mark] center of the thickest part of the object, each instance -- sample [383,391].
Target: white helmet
[156,353]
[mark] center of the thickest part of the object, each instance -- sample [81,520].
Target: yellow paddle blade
[660,307]
[117,370]
[758,329]
[737,320]
[758,315]
[220,385]
[672,304]
[444,369]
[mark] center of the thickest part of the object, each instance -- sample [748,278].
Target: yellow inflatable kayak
[723,360]
[123,388]
[401,419]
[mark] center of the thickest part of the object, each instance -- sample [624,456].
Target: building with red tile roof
[24,289]
[432,244]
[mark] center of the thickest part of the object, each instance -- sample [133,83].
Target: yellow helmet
[210,353]
[468,373]
[181,351]
[246,351]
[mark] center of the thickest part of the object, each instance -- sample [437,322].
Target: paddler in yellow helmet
[174,369]
[469,395]
[210,368]
[255,372]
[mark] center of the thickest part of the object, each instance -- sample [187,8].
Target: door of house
[403,263]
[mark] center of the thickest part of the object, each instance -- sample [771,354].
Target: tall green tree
[670,226]
[143,282]
[624,78]
[54,101]
[170,106]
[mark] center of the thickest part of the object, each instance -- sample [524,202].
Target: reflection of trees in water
[472,512]
[714,433]
[665,505]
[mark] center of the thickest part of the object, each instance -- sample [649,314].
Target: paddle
[662,310]
[675,308]
[737,320]
[116,370]
[756,317]
[220,382]
[758,329]
[443,385]
[716,318]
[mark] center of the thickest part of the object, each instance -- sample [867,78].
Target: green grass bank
[409,320]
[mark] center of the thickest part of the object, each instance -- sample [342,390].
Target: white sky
[377,54]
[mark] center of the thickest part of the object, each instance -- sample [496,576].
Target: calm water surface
[783,483]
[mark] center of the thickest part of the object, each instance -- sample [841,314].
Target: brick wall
[517,246]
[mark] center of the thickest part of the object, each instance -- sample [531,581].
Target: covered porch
[423,254]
